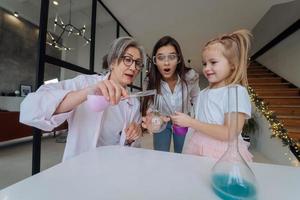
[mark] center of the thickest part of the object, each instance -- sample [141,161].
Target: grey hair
[119,46]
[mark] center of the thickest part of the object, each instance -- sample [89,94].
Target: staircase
[282,97]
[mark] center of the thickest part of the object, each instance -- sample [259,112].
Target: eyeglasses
[163,58]
[128,61]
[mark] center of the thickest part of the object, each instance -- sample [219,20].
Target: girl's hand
[112,91]
[181,119]
[133,131]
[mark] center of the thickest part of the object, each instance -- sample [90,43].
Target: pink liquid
[97,103]
[179,130]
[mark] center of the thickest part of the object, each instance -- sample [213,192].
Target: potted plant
[249,128]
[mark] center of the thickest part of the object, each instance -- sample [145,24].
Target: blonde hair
[236,48]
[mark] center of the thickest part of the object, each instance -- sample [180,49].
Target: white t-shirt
[212,104]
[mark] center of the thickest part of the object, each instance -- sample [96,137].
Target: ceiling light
[16,14]
[55,3]
[66,29]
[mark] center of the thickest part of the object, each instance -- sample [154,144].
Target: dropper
[140,94]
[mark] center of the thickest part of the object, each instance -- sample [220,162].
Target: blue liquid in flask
[231,188]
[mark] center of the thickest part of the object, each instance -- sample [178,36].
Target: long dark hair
[154,76]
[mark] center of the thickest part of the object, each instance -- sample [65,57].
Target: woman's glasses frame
[128,61]
[168,57]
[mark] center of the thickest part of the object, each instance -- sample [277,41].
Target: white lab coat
[85,126]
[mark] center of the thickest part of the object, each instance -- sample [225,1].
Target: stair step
[289,117]
[257,75]
[271,85]
[290,120]
[290,100]
[265,80]
[249,71]
[293,129]
[285,109]
[254,63]
[274,92]
[256,67]
[294,132]
[285,106]
[295,136]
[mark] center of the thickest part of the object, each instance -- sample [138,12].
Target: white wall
[83,54]
[105,34]
[10,103]
[276,20]
[29,10]
[284,59]
[79,55]
[68,74]
[271,148]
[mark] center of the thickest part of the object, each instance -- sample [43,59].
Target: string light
[276,126]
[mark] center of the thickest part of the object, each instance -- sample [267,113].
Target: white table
[116,172]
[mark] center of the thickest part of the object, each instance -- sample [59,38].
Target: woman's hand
[133,132]
[112,91]
[181,119]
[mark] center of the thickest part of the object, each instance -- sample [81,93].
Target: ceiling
[80,10]
[191,22]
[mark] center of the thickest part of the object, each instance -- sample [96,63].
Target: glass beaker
[232,178]
[178,130]
[181,130]
[157,123]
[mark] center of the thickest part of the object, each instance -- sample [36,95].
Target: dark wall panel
[18,53]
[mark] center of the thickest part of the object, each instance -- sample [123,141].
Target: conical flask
[232,178]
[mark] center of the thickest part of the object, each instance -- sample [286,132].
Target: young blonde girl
[225,63]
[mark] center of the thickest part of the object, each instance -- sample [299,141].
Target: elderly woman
[54,103]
